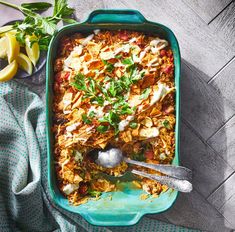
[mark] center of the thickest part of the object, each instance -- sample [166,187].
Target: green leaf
[109,66]
[61,9]
[94,193]
[36,6]
[119,56]
[48,27]
[102,128]
[145,94]
[133,125]
[70,21]
[79,82]
[85,119]
[20,37]
[166,124]
[127,61]
[92,114]
[112,89]
[99,100]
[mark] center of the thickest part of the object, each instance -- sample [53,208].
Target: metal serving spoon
[176,177]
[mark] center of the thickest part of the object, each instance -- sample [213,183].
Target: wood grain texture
[223,142]
[224,199]
[201,106]
[199,45]
[192,209]
[224,82]
[224,25]
[209,9]
[208,168]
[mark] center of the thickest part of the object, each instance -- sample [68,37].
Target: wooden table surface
[206,34]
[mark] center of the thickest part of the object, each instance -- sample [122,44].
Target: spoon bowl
[176,177]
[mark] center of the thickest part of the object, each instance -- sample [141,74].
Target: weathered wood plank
[209,9]
[208,168]
[202,107]
[224,199]
[199,45]
[224,25]
[84,8]
[194,211]
[223,142]
[224,82]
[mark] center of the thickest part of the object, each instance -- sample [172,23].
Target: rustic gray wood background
[206,34]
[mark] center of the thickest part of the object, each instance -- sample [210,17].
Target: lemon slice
[25,63]
[3,47]
[9,71]
[5,29]
[13,47]
[33,52]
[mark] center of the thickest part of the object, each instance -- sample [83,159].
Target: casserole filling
[112,88]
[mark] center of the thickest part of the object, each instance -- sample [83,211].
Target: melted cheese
[149,132]
[87,39]
[69,188]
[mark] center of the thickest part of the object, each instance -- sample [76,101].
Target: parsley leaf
[109,66]
[112,89]
[145,94]
[133,125]
[166,124]
[119,56]
[102,128]
[92,114]
[37,6]
[94,193]
[127,61]
[35,24]
[85,119]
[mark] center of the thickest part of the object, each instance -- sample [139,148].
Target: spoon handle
[170,170]
[179,185]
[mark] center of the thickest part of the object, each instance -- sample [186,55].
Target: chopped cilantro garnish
[133,125]
[166,124]
[92,114]
[94,193]
[85,119]
[113,89]
[109,66]
[119,56]
[145,94]
[102,128]
[127,61]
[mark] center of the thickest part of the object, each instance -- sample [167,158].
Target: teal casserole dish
[125,208]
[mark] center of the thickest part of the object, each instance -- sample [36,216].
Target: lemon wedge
[25,63]
[9,71]
[33,52]
[5,29]
[3,47]
[13,47]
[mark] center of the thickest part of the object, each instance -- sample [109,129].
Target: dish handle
[116,16]
[112,220]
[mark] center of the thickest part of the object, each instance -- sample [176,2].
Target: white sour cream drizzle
[125,122]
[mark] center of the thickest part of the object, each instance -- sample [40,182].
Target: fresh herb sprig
[43,28]
[99,93]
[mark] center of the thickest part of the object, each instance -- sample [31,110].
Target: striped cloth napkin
[25,204]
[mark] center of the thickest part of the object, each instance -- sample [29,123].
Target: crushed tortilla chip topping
[112,88]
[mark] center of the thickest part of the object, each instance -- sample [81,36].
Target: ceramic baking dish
[125,208]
